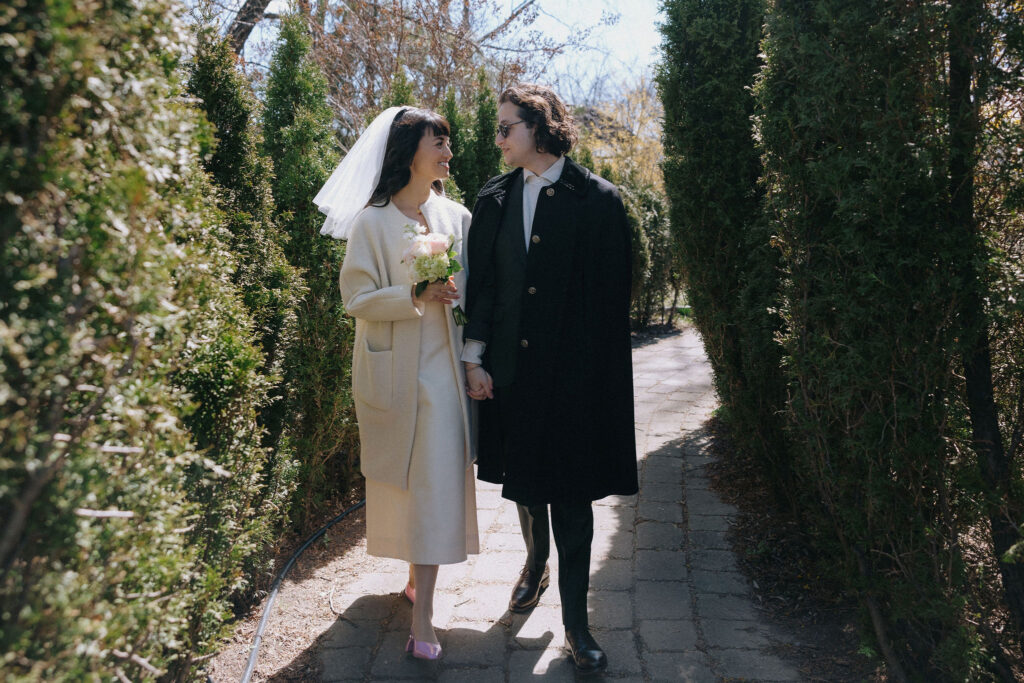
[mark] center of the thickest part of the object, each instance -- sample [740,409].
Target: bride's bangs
[438,124]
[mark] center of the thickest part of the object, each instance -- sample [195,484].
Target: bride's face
[432,157]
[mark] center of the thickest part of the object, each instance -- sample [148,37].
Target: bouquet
[431,257]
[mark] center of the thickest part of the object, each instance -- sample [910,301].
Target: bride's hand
[444,292]
[479,385]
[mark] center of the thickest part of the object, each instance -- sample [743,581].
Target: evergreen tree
[711,171]
[238,495]
[122,329]
[606,171]
[271,288]
[851,120]
[976,77]
[486,155]
[461,164]
[248,297]
[298,138]
[584,157]
[652,253]
[400,93]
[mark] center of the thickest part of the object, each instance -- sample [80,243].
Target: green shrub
[270,287]
[92,329]
[461,142]
[239,497]
[485,155]
[851,119]
[653,254]
[712,169]
[298,138]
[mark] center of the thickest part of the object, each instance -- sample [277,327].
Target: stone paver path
[667,602]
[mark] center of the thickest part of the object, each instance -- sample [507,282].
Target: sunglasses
[504,128]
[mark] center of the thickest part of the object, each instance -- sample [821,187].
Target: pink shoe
[410,593]
[423,650]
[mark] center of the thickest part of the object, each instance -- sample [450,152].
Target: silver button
[550,192]
[524,343]
[535,239]
[532,290]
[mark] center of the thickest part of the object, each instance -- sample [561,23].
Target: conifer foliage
[459,142]
[476,158]
[857,195]
[299,140]
[485,155]
[712,169]
[128,382]
[846,225]
[270,287]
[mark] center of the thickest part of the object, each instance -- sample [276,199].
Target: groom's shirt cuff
[473,351]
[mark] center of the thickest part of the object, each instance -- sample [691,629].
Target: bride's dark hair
[407,130]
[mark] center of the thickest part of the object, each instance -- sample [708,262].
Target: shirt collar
[552,174]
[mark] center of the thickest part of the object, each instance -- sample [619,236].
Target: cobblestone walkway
[666,600]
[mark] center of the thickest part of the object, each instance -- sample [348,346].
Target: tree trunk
[245,21]
[993,461]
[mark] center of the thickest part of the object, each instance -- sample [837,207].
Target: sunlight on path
[667,602]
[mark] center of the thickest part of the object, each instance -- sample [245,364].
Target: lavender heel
[423,650]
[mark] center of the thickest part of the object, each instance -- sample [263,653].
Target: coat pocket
[372,376]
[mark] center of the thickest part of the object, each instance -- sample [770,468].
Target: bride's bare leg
[423,608]
[412,575]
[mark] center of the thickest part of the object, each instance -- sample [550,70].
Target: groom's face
[518,146]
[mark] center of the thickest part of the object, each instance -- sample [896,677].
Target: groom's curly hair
[554,129]
[407,129]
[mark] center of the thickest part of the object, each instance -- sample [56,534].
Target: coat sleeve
[480,283]
[361,280]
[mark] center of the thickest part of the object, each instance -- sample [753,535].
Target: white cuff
[473,351]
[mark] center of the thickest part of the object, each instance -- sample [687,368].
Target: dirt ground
[774,559]
[297,618]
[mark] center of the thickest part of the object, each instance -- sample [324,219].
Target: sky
[629,46]
[617,54]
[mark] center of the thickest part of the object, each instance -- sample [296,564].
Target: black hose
[251,664]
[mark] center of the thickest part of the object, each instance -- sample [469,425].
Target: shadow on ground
[366,641]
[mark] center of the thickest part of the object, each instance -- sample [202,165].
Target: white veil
[348,189]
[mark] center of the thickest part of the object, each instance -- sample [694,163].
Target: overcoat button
[532,290]
[550,192]
[524,343]
[535,239]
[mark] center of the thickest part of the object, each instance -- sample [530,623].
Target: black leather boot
[587,655]
[528,588]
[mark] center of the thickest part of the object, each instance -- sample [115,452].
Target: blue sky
[631,44]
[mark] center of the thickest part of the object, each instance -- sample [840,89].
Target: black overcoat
[556,323]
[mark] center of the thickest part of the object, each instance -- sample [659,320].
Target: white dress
[434,520]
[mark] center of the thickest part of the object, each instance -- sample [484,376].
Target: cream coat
[377,291]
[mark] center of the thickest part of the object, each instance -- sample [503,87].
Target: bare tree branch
[503,25]
[245,20]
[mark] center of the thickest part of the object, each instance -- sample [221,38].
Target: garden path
[667,600]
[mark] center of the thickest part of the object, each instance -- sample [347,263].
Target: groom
[548,342]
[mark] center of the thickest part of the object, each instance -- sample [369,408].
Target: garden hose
[251,664]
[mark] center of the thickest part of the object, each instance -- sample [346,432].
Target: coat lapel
[435,216]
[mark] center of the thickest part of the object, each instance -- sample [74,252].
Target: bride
[407,378]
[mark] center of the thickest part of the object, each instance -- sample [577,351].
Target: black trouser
[573,527]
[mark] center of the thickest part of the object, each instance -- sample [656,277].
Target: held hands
[443,291]
[478,382]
